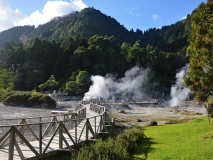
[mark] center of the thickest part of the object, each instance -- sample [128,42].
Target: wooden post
[22,129]
[87,129]
[60,136]
[104,119]
[40,137]
[101,123]
[54,124]
[76,132]
[71,123]
[95,125]
[12,143]
[77,118]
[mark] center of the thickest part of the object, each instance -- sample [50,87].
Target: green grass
[188,141]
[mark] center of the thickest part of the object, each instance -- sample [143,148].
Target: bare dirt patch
[143,115]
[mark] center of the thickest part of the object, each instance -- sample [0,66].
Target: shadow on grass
[143,149]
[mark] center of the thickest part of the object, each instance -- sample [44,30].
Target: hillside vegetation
[74,47]
[90,22]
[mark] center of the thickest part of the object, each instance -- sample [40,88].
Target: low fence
[71,129]
[97,108]
[67,98]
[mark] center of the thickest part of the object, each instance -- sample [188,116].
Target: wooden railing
[68,130]
[97,108]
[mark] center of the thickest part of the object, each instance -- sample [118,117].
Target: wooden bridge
[41,137]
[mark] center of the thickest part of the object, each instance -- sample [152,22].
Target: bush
[4,95]
[17,98]
[87,152]
[48,100]
[153,123]
[35,99]
[116,148]
[26,98]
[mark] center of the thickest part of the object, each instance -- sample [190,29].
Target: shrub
[48,100]
[131,138]
[87,152]
[35,99]
[17,98]
[4,95]
[26,98]
[153,123]
[116,148]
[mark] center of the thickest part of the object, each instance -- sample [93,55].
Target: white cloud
[10,18]
[134,11]
[155,17]
[184,17]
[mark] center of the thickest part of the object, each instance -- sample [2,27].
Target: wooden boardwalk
[50,137]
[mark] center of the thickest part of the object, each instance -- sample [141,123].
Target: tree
[104,50]
[83,78]
[83,81]
[200,50]
[42,86]
[50,83]
[78,83]
[34,78]
[137,54]
[125,48]
[82,55]
[6,79]
[71,87]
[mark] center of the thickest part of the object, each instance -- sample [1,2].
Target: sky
[132,14]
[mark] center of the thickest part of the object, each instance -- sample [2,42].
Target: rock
[139,120]
[122,111]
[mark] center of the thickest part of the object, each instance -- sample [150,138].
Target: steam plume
[128,87]
[179,92]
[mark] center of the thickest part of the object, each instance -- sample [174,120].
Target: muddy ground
[126,115]
[143,115]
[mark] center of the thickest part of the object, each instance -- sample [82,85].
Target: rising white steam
[179,92]
[128,87]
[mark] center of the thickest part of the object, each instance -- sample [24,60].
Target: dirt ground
[143,115]
[125,115]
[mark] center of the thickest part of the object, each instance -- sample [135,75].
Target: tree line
[72,61]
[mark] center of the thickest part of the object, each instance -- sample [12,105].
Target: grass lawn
[187,141]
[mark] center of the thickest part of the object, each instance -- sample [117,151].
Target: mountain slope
[15,34]
[90,21]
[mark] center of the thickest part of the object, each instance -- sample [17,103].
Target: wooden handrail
[62,129]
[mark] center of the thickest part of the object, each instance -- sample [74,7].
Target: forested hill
[168,38]
[84,24]
[15,34]
[90,21]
